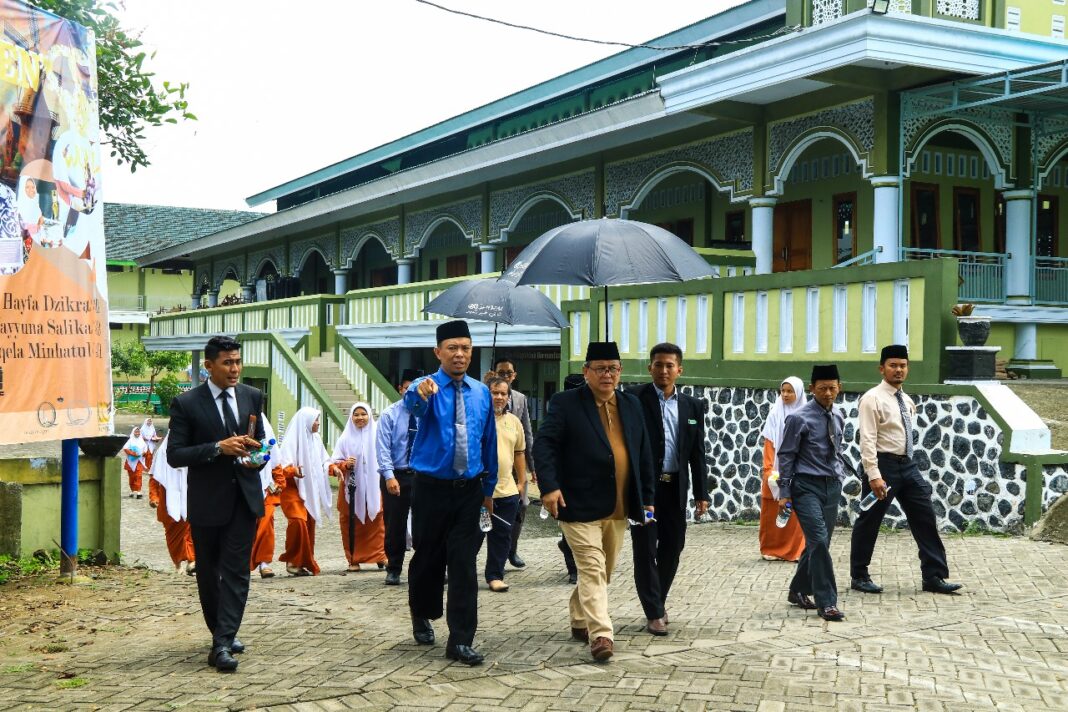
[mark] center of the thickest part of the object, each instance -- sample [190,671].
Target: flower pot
[973,330]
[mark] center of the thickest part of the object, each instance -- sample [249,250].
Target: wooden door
[793,236]
[456,266]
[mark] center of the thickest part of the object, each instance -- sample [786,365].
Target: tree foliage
[128,358]
[160,361]
[130,99]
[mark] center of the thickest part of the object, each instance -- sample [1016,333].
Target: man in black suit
[595,469]
[209,432]
[676,426]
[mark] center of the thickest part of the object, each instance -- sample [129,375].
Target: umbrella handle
[606,324]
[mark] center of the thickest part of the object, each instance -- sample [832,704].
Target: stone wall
[958,447]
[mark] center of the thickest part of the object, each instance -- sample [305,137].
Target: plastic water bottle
[869,501]
[544,513]
[261,456]
[784,516]
[484,521]
[649,517]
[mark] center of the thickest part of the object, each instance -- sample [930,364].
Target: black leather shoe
[801,600]
[831,613]
[392,578]
[464,654]
[422,631]
[937,585]
[237,647]
[222,660]
[865,586]
[517,562]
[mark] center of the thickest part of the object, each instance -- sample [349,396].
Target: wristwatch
[218,451]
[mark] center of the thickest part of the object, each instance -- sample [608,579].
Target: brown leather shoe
[656,626]
[601,649]
[580,634]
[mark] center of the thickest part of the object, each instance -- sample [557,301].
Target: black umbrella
[499,302]
[606,252]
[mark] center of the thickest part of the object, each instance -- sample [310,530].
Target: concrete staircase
[326,373]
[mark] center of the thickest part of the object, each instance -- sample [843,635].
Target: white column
[248,292]
[341,281]
[488,255]
[404,270]
[886,218]
[1018,243]
[763,218]
[213,297]
[194,300]
[1026,343]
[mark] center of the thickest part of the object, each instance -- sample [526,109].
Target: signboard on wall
[55,357]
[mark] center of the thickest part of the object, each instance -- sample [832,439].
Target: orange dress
[179,536]
[155,492]
[300,532]
[263,545]
[786,543]
[370,545]
[135,475]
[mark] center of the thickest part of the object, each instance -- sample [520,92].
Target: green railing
[364,378]
[293,313]
[267,355]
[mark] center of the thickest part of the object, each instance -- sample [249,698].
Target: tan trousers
[596,546]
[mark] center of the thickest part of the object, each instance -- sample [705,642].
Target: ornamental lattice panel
[825,11]
[965,9]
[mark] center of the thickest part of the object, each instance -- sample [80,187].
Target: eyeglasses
[505,374]
[606,370]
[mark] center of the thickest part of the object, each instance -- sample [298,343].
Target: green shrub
[167,389]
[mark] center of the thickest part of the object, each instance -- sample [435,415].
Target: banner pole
[69,511]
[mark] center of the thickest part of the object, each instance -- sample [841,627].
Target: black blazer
[214,482]
[691,442]
[572,454]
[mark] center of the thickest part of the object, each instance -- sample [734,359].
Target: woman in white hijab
[776,544]
[152,439]
[272,482]
[133,460]
[306,498]
[359,496]
[29,206]
[173,490]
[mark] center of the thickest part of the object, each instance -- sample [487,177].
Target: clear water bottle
[544,513]
[484,521]
[869,501]
[784,516]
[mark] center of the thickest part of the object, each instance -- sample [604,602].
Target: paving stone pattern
[958,447]
[337,642]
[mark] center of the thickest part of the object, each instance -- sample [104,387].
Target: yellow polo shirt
[509,441]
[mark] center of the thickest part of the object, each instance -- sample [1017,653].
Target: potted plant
[973,330]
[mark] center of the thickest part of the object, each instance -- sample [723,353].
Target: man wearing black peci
[676,425]
[209,432]
[886,417]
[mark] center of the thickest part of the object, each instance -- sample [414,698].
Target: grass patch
[976,528]
[1051,403]
[72,683]
[17,669]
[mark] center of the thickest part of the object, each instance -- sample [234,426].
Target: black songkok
[453,330]
[602,351]
[825,373]
[894,351]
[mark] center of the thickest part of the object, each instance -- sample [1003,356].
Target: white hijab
[174,480]
[265,472]
[776,421]
[360,444]
[134,442]
[301,447]
[29,208]
[148,434]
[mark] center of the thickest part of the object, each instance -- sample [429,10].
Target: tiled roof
[132,230]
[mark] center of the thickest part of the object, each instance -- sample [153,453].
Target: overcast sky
[285,88]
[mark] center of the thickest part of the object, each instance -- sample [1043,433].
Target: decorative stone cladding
[576,191]
[220,269]
[727,160]
[958,449]
[965,9]
[467,213]
[1050,142]
[389,231]
[274,254]
[325,243]
[1054,484]
[994,126]
[854,122]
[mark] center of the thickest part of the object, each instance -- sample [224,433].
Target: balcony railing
[982,274]
[1051,280]
[143,303]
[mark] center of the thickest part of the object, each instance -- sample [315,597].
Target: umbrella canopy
[492,300]
[606,252]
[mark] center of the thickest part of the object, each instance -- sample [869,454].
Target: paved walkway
[133,639]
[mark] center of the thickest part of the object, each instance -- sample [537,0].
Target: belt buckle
[667,476]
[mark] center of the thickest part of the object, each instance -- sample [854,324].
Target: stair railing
[364,377]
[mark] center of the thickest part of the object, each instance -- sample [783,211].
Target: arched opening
[539,218]
[371,265]
[687,204]
[824,211]
[315,276]
[267,282]
[446,252]
[229,289]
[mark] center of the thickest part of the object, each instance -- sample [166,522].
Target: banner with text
[55,356]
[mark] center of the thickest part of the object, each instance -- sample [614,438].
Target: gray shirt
[811,445]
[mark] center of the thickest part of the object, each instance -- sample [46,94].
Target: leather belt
[668,476]
[895,457]
[455,483]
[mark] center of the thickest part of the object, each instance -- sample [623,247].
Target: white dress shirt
[232,400]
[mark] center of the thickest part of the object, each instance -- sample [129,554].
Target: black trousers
[657,548]
[913,493]
[395,510]
[223,554]
[815,501]
[445,534]
[517,528]
[500,537]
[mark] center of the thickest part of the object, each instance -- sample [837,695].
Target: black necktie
[412,427]
[228,415]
